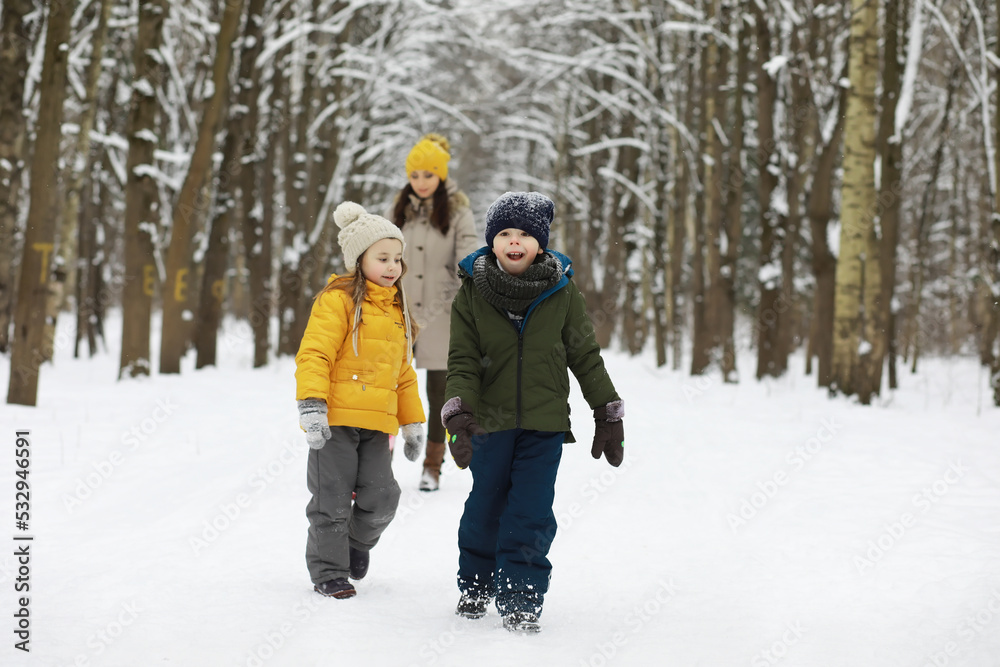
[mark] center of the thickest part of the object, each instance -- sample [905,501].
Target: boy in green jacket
[517,324]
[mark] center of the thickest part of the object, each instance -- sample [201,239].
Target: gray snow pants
[353,460]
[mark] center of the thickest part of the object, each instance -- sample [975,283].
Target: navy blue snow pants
[508,523]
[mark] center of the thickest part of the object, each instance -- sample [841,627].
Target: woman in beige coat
[438,226]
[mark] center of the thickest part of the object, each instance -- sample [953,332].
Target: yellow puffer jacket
[375,389]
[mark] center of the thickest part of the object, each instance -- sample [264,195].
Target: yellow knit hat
[429,154]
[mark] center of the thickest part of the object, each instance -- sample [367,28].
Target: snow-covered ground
[752,524]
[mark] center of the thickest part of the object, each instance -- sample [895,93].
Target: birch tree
[856,315]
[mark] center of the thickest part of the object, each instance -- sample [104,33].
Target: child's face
[424,183]
[382,263]
[515,250]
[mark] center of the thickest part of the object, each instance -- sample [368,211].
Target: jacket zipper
[520,359]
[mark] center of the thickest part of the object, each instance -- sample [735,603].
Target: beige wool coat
[431,280]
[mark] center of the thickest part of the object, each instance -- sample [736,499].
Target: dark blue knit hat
[530,212]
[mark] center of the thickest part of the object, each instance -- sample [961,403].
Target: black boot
[524,622]
[471,607]
[336,588]
[359,563]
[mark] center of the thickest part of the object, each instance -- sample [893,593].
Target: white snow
[775,64]
[914,51]
[144,88]
[753,524]
[146,134]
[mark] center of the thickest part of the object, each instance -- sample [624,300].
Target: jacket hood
[465,271]
[465,266]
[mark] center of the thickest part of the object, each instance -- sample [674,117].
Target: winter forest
[787,175]
[784,216]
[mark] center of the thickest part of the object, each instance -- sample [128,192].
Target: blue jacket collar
[466,264]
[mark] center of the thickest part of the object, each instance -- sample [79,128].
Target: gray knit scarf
[515,293]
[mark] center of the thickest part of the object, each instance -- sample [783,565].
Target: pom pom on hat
[531,212]
[359,229]
[429,154]
[347,213]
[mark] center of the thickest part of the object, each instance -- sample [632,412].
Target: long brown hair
[356,286]
[440,213]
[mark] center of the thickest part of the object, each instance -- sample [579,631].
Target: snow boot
[523,622]
[359,563]
[429,480]
[336,588]
[471,607]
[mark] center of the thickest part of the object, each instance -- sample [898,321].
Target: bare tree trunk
[213,285]
[993,265]
[564,227]
[63,281]
[804,131]
[713,122]
[732,222]
[44,206]
[141,199]
[614,268]
[680,216]
[296,175]
[259,254]
[87,310]
[15,46]
[175,290]
[890,153]
[256,221]
[913,339]
[328,153]
[626,217]
[955,322]
[603,303]
[701,343]
[677,233]
[289,285]
[770,307]
[661,282]
[242,124]
[819,207]
[890,148]
[857,268]
[700,358]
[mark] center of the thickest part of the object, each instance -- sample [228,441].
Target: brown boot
[432,466]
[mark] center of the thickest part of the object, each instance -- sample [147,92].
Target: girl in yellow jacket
[355,386]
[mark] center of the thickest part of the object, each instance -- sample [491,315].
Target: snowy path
[758,524]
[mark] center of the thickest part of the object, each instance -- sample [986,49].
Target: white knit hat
[359,229]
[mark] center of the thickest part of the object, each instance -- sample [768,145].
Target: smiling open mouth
[515,255]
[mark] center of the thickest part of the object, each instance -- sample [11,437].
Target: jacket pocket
[359,376]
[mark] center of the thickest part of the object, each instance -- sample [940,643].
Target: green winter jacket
[519,379]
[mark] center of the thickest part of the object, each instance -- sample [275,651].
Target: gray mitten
[312,420]
[413,436]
